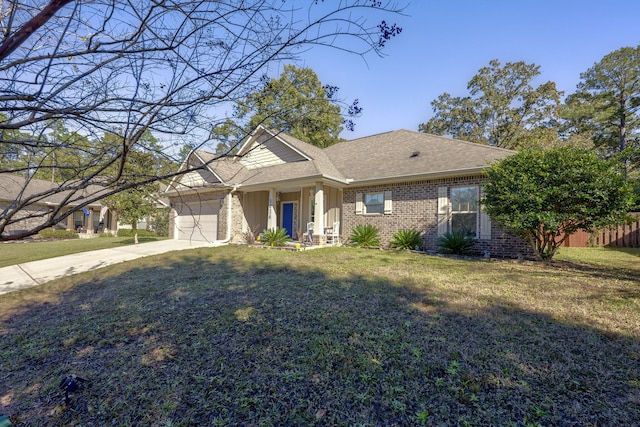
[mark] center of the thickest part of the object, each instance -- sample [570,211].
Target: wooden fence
[621,236]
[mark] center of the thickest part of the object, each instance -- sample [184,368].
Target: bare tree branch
[15,40]
[133,67]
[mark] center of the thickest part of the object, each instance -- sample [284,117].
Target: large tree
[606,106]
[134,204]
[296,103]
[137,66]
[547,195]
[503,108]
[61,155]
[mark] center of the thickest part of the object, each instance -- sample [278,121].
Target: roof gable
[266,148]
[203,176]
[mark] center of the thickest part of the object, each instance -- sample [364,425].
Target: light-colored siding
[254,206]
[269,152]
[192,179]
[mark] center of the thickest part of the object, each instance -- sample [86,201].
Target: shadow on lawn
[199,341]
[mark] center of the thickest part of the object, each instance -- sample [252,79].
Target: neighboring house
[396,180]
[92,218]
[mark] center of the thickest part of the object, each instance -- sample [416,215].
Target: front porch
[295,209]
[89,222]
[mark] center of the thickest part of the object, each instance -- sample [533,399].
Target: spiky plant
[456,243]
[275,237]
[364,235]
[406,239]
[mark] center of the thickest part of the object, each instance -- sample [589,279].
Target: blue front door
[287,218]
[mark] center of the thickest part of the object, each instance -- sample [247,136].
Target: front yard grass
[336,336]
[12,253]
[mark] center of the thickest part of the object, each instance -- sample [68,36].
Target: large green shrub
[547,195]
[406,239]
[274,237]
[50,233]
[456,243]
[364,236]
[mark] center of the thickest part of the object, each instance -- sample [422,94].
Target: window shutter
[359,204]
[443,211]
[485,221]
[388,202]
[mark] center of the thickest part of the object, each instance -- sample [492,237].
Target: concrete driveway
[35,273]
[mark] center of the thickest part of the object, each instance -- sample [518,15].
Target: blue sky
[444,43]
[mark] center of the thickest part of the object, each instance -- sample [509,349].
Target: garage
[197,220]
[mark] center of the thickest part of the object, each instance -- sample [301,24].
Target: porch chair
[333,234]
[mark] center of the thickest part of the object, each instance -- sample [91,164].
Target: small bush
[458,243]
[364,235]
[275,237]
[406,239]
[50,233]
[141,233]
[159,222]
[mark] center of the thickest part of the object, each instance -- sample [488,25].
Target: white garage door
[197,221]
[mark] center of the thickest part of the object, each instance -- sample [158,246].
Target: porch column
[89,219]
[318,223]
[272,219]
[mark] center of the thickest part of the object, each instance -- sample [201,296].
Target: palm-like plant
[406,239]
[364,235]
[275,237]
[456,243]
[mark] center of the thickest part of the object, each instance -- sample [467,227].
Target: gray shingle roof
[405,153]
[395,155]
[11,188]
[227,168]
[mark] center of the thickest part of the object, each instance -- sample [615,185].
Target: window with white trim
[464,210]
[459,209]
[377,203]
[374,203]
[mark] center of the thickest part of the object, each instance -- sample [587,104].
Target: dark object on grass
[70,384]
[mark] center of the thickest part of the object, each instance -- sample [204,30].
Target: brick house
[395,180]
[43,198]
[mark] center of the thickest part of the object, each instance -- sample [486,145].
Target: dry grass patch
[239,336]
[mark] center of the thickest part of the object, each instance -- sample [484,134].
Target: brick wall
[237,215]
[30,218]
[415,206]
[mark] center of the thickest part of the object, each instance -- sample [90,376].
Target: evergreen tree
[606,106]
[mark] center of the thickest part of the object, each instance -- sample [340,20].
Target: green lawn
[624,258]
[234,336]
[19,252]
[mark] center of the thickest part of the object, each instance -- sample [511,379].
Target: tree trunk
[623,134]
[13,42]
